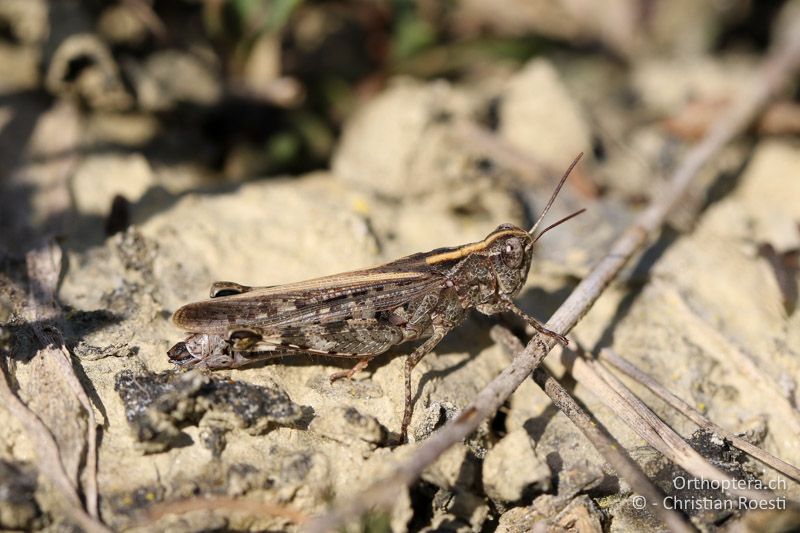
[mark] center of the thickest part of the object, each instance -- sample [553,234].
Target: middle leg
[412,360]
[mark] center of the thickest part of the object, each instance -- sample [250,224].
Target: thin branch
[711,340]
[775,71]
[44,266]
[90,486]
[251,507]
[637,416]
[49,462]
[647,424]
[611,451]
[606,445]
[608,356]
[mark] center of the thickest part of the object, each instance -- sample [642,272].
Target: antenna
[553,198]
[551,226]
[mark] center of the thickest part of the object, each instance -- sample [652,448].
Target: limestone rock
[512,469]
[538,115]
[402,143]
[350,427]
[96,182]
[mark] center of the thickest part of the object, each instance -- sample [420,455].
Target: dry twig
[776,70]
[609,357]
[49,462]
[44,267]
[648,425]
[252,507]
[600,438]
[712,341]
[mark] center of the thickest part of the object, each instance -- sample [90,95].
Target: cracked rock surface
[702,311]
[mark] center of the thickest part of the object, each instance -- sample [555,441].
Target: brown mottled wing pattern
[321,301]
[351,338]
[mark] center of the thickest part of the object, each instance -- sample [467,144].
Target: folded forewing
[326,300]
[348,338]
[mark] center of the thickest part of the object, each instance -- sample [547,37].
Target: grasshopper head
[511,255]
[512,247]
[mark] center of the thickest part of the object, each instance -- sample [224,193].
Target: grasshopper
[361,314]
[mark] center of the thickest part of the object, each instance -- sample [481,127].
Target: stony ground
[410,173]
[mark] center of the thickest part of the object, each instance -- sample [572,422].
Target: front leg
[507,304]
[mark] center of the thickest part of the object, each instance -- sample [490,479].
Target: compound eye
[512,253]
